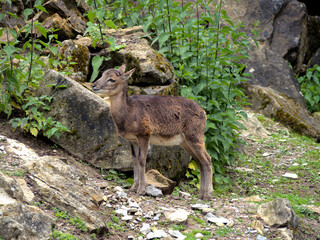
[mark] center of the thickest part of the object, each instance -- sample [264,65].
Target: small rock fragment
[220,221]
[157,234]
[290,175]
[153,191]
[176,234]
[176,215]
[145,228]
[256,224]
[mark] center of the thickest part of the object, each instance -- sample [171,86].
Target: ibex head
[112,81]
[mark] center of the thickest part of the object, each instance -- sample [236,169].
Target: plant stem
[32,47]
[102,39]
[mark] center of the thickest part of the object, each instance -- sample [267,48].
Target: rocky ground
[280,165]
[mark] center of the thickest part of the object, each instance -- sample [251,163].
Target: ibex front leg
[142,155]
[135,153]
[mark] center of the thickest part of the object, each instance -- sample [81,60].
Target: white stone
[176,234]
[176,215]
[220,221]
[126,218]
[145,229]
[5,198]
[199,235]
[121,211]
[199,206]
[156,234]
[290,175]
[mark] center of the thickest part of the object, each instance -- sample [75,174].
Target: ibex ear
[122,69]
[128,74]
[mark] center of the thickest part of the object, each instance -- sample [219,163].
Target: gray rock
[93,136]
[278,213]
[165,185]
[259,237]
[19,221]
[153,191]
[72,51]
[151,67]
[64,187]
[10,190]
[275,105]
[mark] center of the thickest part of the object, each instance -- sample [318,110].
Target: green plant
[35,122]
[21,71]
[57,235]
[310,88]
[60,214]
[79,223]
[223,231]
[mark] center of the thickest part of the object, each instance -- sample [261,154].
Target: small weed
[57,235]
[60,214]
[15,173]
[224,231]
[79,223]
[178,227]
[115,219]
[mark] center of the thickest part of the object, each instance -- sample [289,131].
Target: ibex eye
[111,80]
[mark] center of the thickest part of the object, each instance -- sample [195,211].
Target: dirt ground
[230,204]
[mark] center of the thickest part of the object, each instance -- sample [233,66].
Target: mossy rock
[283,109]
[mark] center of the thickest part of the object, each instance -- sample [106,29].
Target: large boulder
[283,109]
[268,69]
[151,67]
[93,136]
[75,51]
[278,213]
[20,221]
[66,16]
[65,187]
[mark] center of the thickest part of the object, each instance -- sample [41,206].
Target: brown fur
[162,120]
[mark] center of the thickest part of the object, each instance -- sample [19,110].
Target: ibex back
[158,120]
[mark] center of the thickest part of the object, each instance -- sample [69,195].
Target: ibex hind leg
[197,150]
[135,152]
[143,148]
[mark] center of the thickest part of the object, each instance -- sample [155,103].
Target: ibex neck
[119,106]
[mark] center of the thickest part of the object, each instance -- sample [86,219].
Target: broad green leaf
[110,24]
[27,12]
[41,8]
[42,30]
[34,131]
[96,63]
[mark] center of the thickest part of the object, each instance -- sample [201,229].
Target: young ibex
[158,120]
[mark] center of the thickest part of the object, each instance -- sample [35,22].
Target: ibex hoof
[205,195]
[134,188]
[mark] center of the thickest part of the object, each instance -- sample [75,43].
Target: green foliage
[57,235]
[206,50]
[79,223]
[21,71]
[34,122]
[310,88]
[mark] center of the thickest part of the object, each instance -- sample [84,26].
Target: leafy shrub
[206,50]
[310,88]
[21,71]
